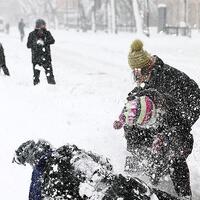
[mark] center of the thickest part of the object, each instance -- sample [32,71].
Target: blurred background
[170,16]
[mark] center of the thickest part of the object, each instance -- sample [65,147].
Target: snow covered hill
[93,79]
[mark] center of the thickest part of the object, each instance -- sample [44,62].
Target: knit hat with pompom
[138,58]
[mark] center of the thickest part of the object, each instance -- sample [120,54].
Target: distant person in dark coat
[21,27]
[39,41]
[182,97]
[7,28]
[3,61]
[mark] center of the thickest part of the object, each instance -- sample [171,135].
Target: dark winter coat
[2,56]
[182,97]
[68,172]
[54,177]
[41,54]
[47,182]
[37,176]
[21,26]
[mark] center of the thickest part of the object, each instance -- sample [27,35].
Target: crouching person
[39,42]
[71,173]
[3,61]
[182,110]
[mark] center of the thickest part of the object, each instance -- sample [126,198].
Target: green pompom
[137,45]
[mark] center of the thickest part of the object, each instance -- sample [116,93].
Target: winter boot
[36,75]
[5,70]
[51,80]
[36,81]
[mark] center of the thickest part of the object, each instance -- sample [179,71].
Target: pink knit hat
[140,111]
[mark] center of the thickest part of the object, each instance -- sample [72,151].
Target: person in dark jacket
[3,61]
[39,41]
[72,173]
[7,26]
[21,26]
[182,97]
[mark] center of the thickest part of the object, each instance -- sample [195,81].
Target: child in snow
[3,61]
[141,110]
[39,41]
[147,112]
[182,96]
[72,173]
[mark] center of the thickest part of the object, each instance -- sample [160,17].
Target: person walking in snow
[3,61]
[21,26]
[39,42]
[180,103]
[72,173]
[7,26]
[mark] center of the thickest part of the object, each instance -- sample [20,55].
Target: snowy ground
[93,79]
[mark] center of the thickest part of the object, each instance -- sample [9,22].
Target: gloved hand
[40,42]
[117,124]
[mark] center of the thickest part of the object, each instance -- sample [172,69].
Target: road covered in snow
[93,79]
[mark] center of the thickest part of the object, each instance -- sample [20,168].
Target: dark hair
[39,23]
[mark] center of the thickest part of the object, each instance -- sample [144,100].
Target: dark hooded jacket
[54,176]
[41,54]
[65,181]
[182,96]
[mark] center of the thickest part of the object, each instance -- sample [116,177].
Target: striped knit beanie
[139,111]
[138,58]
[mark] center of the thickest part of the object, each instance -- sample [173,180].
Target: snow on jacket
[182,96]
[177,86]
[59,174]
[35,192]
[41,53]
[71,173]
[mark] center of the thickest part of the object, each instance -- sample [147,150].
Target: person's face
[43,26]
[141,74]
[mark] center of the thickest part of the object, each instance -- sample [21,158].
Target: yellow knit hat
[138,58]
